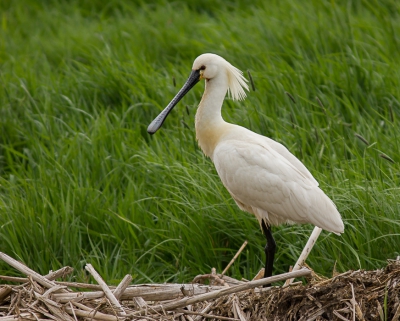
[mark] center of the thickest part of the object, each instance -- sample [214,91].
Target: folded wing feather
[268,181]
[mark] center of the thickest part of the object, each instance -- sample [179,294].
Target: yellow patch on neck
[208,138]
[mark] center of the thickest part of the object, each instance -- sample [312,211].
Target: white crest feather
[236,83]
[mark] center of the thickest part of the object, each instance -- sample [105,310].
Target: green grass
[81,181]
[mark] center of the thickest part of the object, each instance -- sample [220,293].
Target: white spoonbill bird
[261,175]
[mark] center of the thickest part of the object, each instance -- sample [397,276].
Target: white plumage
[263,182]
[262,176]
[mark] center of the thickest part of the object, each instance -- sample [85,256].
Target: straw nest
[354,295]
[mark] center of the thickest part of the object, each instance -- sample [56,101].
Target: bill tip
[151,130]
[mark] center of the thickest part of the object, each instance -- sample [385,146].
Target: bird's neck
[209,123]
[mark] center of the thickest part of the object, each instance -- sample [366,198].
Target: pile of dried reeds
[361,295]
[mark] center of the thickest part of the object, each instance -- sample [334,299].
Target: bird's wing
[260,177]
[289,157]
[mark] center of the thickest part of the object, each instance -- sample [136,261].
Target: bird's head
[210,66]
[206,66]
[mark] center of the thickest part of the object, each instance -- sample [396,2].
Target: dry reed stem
[306,251]
[91,315]
[205,315]
[27,271]
[234,258]
[110,296]
[61,273]
[5,292]
[122,286]
[225,291]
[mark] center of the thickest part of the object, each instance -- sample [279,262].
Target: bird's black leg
[269,249]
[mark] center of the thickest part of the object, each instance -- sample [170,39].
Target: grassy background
[81,180]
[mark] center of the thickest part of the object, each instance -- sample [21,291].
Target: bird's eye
[202,67]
